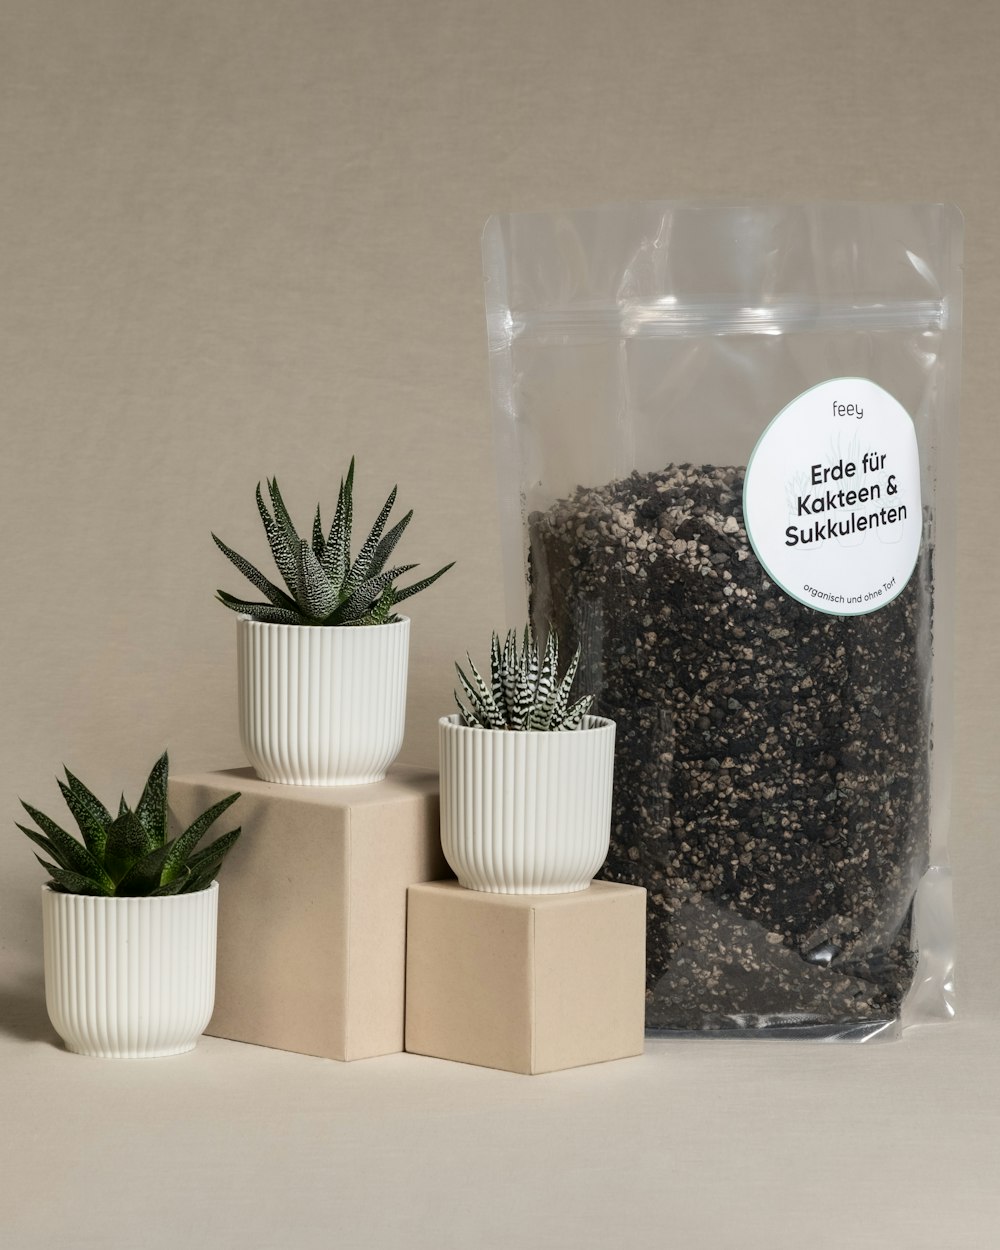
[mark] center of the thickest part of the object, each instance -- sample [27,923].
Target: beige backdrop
[241,238]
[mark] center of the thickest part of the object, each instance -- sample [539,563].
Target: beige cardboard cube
[526,982]
[312,906]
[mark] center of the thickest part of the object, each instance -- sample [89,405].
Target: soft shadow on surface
[23,1014]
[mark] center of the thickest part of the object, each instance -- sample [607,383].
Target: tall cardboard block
[526,982]
[312,906]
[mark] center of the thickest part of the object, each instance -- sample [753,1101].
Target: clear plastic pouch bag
[726,439]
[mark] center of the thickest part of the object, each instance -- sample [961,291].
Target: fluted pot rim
[591,724]
[164,899]
[244,618]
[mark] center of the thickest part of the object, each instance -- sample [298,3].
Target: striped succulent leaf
[284,556]
[319,542]
[496,671]
[482,706]
[381,611]
[525,671]
[325,587]
[370,592]
[574,717]
[281,517]
[271,592]
[359,570]
[560,708]
[409,591]
[547,690]
[337,556]
[388,544]
[319,595]
[261,611]
[127,855]
[525,690]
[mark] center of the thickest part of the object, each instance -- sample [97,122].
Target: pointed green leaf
[70,853]
[176,886]
[214,850]
[91,830]
[337,557]
[198,881]
[319,596]
[276,595]
[189,839]
[74,882]
[388,543]
[360,568]
[210,859]
[152,807]
[319,542]
[369,592]
[261,611]
[281,515]
[417,587]
[41,840]
[284,556]
[144,875]
[128,840]
[380,613]
[88,808]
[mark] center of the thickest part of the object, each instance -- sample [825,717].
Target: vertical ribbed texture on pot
[526,812]
[322,705]
[130,978]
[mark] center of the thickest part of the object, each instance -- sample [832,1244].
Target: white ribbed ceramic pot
[322,705]
[130,978]
[526,812]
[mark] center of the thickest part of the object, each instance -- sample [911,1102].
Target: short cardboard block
[526,982]
[312,906]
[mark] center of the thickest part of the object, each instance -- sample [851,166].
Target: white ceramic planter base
[322,705]
[130,978]
[526,812]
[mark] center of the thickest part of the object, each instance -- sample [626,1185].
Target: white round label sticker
[832,497]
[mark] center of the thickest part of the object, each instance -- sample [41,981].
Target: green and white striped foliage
[128,855]
[324,585]
[525,691]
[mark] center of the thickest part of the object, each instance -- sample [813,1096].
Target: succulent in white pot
[526,776]
[322,665]
[129,922]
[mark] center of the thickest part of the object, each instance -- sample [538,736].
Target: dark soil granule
[771,788]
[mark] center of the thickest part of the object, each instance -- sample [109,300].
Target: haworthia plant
[129,854]
[525,691]
[324,585]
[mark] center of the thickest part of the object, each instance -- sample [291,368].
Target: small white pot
[526,812]
[130,978]
[322,705]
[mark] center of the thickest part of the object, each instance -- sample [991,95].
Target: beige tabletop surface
[241,238]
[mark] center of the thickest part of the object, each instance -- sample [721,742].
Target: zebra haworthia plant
[325,587]
[128,855]
[525,691]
